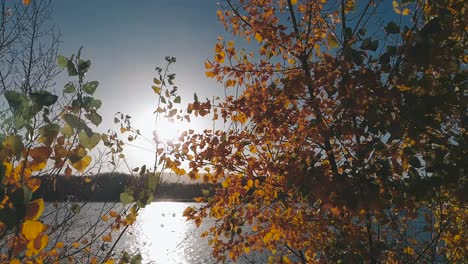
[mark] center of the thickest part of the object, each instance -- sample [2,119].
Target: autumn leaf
[219,57]
[37,245]
[26,2]
[258,37]
[107,238]
[82,164]
[34,209]
[31,229]
[33,184]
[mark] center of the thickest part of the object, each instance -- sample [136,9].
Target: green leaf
[136,259]
[15,144]
[90,87]
[67,130]
[44,98]
[16,101]
[126,198]
[77,123]
[89,142]
[69,88]
[392,28]
[163,100]
[71,69]
[75,208]
[27,194]
[62,62]
[94,117]
[362,31]
[83,66]
[369,44]
[143,170]
[19,122]
[152,181]
[177,100]
[48,133]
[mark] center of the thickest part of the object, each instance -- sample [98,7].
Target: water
[161,234]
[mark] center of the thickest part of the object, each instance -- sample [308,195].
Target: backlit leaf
[34,210]
[82,164]
[31,229]
[62,61]
[125,198]
[90,87]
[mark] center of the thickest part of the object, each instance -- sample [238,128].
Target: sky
[125,41]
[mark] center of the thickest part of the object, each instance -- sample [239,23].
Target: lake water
[161,234]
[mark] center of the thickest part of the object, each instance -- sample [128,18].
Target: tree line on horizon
[108,187]
[343,140]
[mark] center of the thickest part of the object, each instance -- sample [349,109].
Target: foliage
[346,137]
[44,135]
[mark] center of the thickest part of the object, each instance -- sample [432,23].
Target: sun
[167,130]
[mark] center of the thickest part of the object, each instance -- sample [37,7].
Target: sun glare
[168,130]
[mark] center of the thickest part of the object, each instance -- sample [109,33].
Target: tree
[44,134]
[346,135]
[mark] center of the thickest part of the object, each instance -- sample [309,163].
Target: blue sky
[126,40]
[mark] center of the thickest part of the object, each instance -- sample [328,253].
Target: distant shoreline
[108,187]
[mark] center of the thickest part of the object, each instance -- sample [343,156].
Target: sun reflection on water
[162,235]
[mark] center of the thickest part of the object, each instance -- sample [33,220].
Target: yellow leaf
[110,261]
[267,237]
[224,184]
[395,4]
[219,57]
[14,261]
[59,244]
[258,37]
[82,164]
[38,166]
[405,12]
[26,2]
[76,245]
[332,40]
[408,250]
[87,180]
[34,209]
[156,89]
[104,218]
[456,238]
[250,183]
[31,229]
[403,87]
[293,2]
[37,245]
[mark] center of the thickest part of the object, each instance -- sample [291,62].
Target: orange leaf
[107,238]
[113,214]
[33,184]
[68,171]
[40,153]
[34,209]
